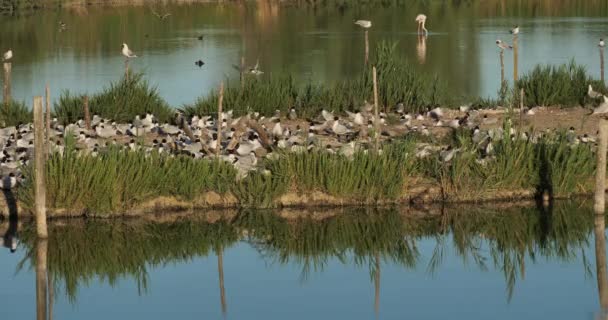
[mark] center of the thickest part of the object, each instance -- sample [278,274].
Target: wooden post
[127,69]
[366,47]
[7,83]
[502,67]
[602,64]
[376,117]
[521,107]
[600,261]
[41,279]
[220,271]
[220,119]
[599,205]
[39,167]
[515,58]
[242,72]
[87,115]
[181,121]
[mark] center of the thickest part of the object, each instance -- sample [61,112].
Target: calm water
[319,45]
[482,264]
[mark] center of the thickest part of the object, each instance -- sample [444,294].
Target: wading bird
[8,55]
[127,52]
[364,23]
[503,45]
[421,20]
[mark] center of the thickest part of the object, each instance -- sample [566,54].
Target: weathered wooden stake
[599,205]
[220,119]
[602,64]
[366,47]
[502,67]
[127,69]
[7,83]
[220,271]
[376,117]
[515,57]
[41,279]
[39,167]
[600,261]
[87,115]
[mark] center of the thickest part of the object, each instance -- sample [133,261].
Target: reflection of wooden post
[599,205]
[600,261]
[7,83]
[220,119]
[376,119]
[41,278]
[502,67]
[220,270]
[366,47]
[242,72]
[602,64]
[377,285]
[39,154]
[515,57]
[87,115]
[50,289]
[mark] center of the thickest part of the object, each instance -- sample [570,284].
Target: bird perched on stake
[256,69]
[127,52]
[515,30]
[366,24]
[602,108]
[421,20]
[8,55]
[601,44]
[503,45]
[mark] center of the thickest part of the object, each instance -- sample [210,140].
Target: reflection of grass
[506,240]
[81,253]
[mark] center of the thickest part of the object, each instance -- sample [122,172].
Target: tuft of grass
[121,102]
[15,113]
[564,85]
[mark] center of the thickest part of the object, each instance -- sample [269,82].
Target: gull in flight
[421,19]
[127,52]
[366,24]
[8,55]
[161,16]
[503,45]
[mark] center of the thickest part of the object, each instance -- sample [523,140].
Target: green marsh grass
[121,102]
[15,113]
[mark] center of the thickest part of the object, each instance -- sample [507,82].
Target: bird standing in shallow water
[366,24]
[421,20]
[127,52]
[8,55]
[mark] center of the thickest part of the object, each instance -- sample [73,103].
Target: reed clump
[14,113]
[121,102]
[557,85]
[398,82]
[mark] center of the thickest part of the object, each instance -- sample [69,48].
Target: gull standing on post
[8,55]
[602,43]
[366,24]
[421,19]
[127,52]
[503,45]
[515,30]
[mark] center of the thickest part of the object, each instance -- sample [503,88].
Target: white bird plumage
[8,55]
[366,24]
[127,52]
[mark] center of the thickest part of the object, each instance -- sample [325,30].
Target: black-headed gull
[8,55]
[127,52]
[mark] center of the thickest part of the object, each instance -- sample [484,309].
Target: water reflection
[314,45]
